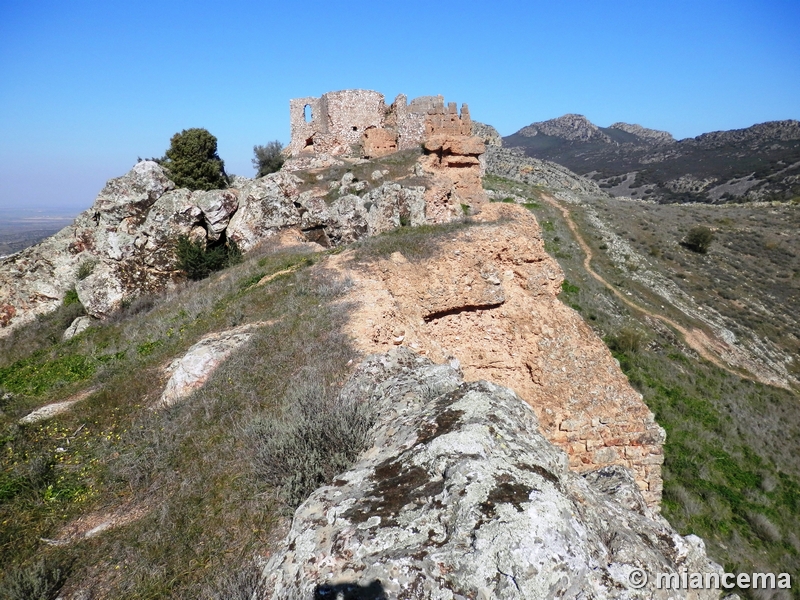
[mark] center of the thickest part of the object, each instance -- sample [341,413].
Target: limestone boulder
[217,206]
[462,497]
[392,205]
[175,214]
[344,220]
[77,326]
[130,196]
[190,372]
[351,217]
[265,206]
[102,292]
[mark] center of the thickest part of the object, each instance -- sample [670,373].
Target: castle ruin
[358,122]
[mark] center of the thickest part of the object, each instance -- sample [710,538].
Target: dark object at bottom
[351,591]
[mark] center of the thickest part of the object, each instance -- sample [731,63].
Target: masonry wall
[340,122]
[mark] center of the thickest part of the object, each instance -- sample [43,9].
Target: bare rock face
[487,299]
[568,127]
[351,217]
[488,134]
[123,246]
[266,207]
[78,326]
[462,497]
[513,164]
[653,135]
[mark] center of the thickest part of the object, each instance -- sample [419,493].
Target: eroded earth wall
[487,301]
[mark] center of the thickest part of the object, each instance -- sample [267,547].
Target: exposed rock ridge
[462,497]
[512,163]
[123,246]
[568,127]
[486,300]
[488,134]
[784,131]
[651,135]
[756,163]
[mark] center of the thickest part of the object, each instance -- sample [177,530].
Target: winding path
[694,338]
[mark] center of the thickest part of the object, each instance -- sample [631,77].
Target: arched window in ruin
[307,113]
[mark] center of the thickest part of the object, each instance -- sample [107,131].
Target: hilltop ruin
[359,123]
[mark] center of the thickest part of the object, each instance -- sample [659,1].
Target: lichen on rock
[462,497]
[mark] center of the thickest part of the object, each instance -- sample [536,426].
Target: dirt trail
[696,339]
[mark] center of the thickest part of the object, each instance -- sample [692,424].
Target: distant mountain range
[758,163]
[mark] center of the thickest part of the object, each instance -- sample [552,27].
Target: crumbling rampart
[358,122]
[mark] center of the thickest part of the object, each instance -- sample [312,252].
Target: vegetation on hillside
[268,158]
[731,472]
[192,161]
[205,485]
[698,239]
[198,258]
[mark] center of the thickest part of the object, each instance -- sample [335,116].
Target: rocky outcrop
[569,127]
[266,206]
[123,246]
[190,372]
[78,326]
[488,134]
[461,496]
[486,300]
[651,135]
[563,183]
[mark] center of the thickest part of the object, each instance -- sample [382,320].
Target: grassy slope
[195,471]
[190,469]
[732,472]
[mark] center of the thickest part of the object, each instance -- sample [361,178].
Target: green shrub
[71,297]
[199,260]
[626,341]
[85,269]
[192,161]
[698,239]
[268,159]
[569,288]
[318,437]
[41,581]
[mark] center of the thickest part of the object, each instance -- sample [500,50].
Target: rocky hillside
[409,387]
[124,245]
[461,497]
[708,339]
[758,163]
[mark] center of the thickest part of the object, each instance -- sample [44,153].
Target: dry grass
[202,473]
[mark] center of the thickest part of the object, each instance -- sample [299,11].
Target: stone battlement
[358,122]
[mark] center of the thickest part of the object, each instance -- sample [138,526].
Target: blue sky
[87,87]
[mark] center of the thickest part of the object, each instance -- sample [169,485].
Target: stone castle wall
[358,122]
